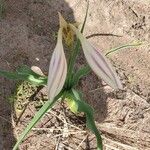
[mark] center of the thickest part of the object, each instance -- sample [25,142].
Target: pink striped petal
[98,62]
[57,69]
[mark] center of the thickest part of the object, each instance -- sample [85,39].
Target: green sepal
[72,104]
[133,44]
[74,54]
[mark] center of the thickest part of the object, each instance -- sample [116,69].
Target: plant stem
[72,62]
[75,51]
[80,73]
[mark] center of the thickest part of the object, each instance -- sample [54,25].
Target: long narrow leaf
[36,118]
[80,73]
[11,75]
[84,107]
[27,70]
[25,73]
[85,18]
[75,51]
[123,46]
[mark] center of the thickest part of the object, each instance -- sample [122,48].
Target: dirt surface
[28,36]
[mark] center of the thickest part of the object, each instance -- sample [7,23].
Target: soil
[28,31]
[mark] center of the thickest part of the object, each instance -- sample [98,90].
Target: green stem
[80,73]
[85,18]
[88,110]
[75,52]
[72,62]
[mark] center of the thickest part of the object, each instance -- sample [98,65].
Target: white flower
[98,63]
[58,65]
[57,69]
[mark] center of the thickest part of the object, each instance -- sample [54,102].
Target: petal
[62,21]
[98,62]
[37,70]
[67,33]
[57,69]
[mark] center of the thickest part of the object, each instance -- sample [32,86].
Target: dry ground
[27,36]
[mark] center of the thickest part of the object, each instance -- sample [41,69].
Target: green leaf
[25,73]
[87,109]
[75,53]
[36,118]
[123,46]
[85,18]
[80,73]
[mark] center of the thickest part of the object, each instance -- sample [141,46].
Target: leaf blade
[36,118]
[87,109]
[25,73]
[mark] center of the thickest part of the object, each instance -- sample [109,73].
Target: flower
[58,64]
[98,62]
[57,69]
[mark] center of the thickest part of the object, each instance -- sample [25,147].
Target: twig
[62,120]
[57,145]
[82,142]
[102,34]
[76,132]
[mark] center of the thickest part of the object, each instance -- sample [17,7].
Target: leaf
[87,109]
[25,73]
[2,8]
[85,18]
[36,118]
[75,53]
[27,70]
[80,73]
[124,46]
